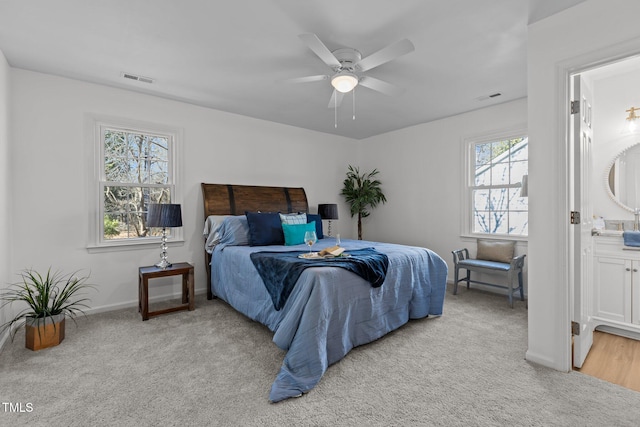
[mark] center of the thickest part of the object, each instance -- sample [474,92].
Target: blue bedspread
[330,310]
[280,270]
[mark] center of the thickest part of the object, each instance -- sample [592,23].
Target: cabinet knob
[635,270]
[628,269]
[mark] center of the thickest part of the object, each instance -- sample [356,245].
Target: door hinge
[575,328]
[575,217]
[575,107]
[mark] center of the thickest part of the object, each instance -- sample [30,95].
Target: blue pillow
[294,233]
[318,221]
[264,229]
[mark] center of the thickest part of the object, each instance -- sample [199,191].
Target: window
[497,202]
[136,167]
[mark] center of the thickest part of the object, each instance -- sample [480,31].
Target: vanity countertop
[608,233]
[610,243]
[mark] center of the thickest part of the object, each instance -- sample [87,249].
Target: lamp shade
[164,215]
[328,211]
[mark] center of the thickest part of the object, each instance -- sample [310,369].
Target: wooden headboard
[224,199]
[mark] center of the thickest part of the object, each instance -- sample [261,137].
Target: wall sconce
[164,215]
[632,119]
[329,212]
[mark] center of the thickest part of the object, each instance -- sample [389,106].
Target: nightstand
[180,268]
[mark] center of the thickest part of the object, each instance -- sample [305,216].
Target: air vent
[137,78]
[485,97]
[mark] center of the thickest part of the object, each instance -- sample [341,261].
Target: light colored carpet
[213,367]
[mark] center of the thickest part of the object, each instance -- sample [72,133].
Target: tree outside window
[498,168]
[136,172]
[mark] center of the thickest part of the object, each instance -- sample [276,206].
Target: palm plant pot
[44,332]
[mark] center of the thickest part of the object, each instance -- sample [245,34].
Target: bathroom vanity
[616,267]
[616,285]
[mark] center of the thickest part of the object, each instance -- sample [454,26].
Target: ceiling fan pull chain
[354,103]
[335,111]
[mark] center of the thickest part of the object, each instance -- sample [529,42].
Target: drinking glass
[310,238]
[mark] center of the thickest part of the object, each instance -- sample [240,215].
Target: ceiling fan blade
[307,79]
[380,86]
[386,54]
[320,49]
[336,99]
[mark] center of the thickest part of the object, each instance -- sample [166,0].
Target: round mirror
[623,178]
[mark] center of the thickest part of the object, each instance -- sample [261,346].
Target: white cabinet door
[613,289]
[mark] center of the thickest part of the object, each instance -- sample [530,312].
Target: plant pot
[44,332]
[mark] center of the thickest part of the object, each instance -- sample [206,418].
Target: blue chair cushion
[485,264]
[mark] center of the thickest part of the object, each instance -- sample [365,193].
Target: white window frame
[468,187]
[96,127]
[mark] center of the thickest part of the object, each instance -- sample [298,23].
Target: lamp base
[163,254]
[163,264]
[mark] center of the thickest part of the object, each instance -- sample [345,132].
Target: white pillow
[293,218]
[211,231]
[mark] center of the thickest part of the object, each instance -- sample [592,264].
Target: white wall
[422,174]
[580,36]
[612,96]
[5,185]
[50,172]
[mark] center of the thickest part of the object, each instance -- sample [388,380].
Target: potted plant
[362,192]
[50,299]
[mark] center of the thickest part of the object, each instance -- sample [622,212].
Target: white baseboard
[618,331]
[5,336]
[490,289]
[541,360]
[134,303]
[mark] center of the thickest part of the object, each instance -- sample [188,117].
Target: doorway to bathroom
[604,296]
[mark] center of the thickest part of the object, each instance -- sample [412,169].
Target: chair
[493,256]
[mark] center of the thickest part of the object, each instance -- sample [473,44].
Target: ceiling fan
[349,67]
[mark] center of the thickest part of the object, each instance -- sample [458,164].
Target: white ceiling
[235,55]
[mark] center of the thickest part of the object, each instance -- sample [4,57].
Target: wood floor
[615,359]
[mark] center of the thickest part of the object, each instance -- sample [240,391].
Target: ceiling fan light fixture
[344,81]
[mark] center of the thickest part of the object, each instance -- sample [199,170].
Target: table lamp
[328,211]
[164,215]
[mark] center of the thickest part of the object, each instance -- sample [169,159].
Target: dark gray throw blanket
[280,270]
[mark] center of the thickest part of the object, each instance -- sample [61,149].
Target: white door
[581,254]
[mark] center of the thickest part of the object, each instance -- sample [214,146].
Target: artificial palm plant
[50,299]
[362,192]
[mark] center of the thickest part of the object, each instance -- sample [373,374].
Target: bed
[329,309]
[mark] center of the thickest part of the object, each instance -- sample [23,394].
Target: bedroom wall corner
[5,187]
[422,174]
